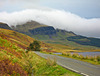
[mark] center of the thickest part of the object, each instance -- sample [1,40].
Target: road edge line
[72,70]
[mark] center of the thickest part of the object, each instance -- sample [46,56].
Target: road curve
[81,67]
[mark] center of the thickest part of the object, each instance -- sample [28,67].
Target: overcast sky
[79,16]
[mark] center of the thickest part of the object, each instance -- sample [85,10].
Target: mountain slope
[85,40]
[4,26]
[19,39]
[63,37]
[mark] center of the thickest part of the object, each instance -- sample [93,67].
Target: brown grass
[8,68]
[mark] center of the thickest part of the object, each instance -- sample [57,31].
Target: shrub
[81,57]
[98,58]
[35,46]
[75,55]
[68,54]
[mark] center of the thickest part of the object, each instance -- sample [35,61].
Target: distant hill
[85,40]
[4,26]
[24,28]
[58,36]
[49,34]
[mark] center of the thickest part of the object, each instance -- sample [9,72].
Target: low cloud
[57,18]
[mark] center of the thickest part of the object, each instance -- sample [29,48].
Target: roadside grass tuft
[51,62]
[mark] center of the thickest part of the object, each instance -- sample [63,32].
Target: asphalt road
[80,67]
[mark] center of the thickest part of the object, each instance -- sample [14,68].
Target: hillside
[14,61]
[12,53]
[49,34]
[19,39]
[4,26]
[85,40]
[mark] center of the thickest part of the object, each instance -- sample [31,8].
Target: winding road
[83,68]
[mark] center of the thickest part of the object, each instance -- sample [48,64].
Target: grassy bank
[90,59]
[15,61]
[46,67]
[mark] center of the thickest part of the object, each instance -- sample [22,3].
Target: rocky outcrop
[49,30]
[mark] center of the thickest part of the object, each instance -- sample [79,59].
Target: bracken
[8,68]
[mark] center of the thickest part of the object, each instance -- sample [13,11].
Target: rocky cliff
[49,30]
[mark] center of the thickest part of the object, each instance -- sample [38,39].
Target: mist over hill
[57,18]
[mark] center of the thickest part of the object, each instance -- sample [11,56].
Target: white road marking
[73,70]
[84,74]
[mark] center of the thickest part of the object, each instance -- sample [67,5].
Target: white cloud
[57,18]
